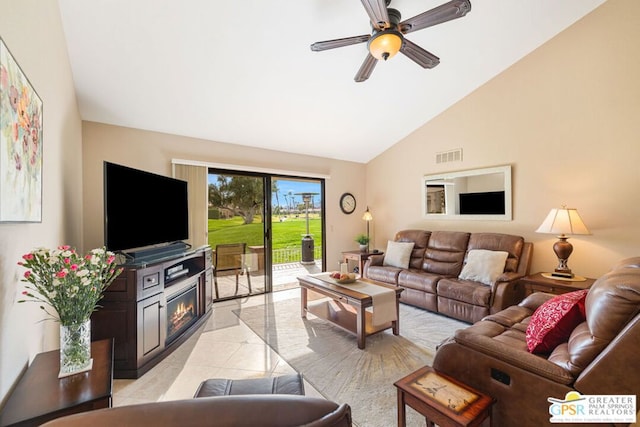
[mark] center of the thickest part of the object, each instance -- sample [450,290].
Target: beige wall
[566,117]
[153,152]
[32,31]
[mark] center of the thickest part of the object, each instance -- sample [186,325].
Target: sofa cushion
[445,252]
[419,280]
[552,322]
[465,291]
[511,244]
[508,345]
[484,266]
[398,254]
[384,274]
[419,239]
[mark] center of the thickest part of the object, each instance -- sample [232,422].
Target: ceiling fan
[387,37]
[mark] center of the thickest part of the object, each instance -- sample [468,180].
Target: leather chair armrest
[535,300]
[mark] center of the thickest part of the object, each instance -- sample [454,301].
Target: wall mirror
[477,194]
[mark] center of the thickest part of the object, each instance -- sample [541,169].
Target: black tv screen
[485,203]
[143,209]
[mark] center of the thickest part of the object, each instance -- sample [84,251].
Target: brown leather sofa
[431,281]
[265,410]
[599,358]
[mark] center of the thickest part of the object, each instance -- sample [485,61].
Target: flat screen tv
[143,209]
[485,203]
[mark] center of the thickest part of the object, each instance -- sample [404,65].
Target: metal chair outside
[230,257]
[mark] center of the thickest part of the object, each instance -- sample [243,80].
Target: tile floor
[223,348]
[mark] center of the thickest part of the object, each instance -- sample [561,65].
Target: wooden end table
[539,283]
[441,399]
[41,396]
[360,257]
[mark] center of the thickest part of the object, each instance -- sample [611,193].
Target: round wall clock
[347,203]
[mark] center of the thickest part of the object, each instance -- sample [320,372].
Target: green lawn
[286,234]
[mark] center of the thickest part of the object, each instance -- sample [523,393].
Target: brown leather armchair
[600,356]
[265,410]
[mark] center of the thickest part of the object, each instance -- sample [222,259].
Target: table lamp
[561,222]
[368,218]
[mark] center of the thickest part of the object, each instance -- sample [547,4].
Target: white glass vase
[75,348]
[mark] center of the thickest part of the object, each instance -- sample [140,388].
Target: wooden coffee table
[347,308]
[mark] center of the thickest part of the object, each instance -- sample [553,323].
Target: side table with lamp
[361,256]
[562,222]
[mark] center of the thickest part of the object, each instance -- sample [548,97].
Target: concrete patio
[284,277]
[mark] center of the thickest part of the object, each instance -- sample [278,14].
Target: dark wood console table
[41,396]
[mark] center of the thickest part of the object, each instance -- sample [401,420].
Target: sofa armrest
[375,259]
[507,291]
[480,337]
[250,409]
[372,260]
[535,300]
[509,276]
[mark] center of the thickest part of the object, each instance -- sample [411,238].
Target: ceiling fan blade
[443,13]
[377,11]
[366,68]
[331,44]
[418,55]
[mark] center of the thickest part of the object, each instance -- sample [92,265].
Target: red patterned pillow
[552,322]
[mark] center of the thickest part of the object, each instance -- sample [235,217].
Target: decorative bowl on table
[343,278]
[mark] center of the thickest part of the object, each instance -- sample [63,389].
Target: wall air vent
[449,156]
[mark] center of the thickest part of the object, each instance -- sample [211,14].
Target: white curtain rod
[244,168]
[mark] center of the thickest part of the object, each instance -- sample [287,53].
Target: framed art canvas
[20,144]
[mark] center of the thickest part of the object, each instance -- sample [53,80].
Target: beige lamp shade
[561,222]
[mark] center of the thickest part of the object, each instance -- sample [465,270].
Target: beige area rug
[330,360]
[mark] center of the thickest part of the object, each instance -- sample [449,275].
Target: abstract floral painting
[20,144]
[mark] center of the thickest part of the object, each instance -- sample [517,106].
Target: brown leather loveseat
[431,280]
[599,357]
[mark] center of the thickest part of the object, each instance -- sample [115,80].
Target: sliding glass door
[236,233]
[297,229]
[264,230]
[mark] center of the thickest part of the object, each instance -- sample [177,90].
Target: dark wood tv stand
[135,308]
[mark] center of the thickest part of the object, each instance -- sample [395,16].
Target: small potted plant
[363,241]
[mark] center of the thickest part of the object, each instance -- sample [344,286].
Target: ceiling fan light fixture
[385,44]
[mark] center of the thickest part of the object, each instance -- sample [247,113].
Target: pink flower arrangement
[67,282]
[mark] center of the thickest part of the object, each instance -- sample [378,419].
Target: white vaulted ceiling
[242,72]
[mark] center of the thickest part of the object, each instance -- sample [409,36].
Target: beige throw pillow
[398,254]
[484,266]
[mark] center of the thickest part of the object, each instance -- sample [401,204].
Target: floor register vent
[449,156]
